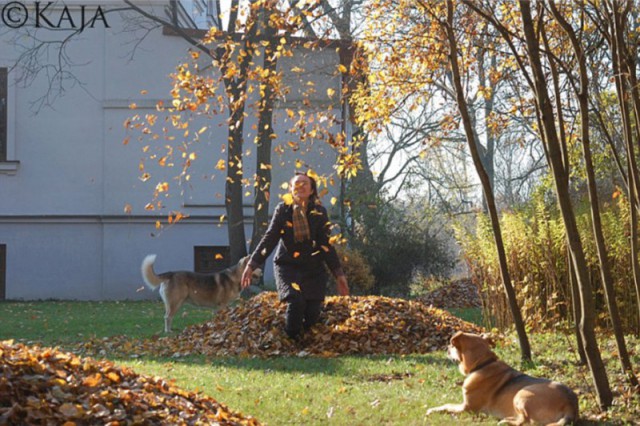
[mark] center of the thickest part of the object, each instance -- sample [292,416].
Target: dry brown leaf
[32,392]
[348,325]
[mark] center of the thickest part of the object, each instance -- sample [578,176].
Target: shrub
[357,270]
[399,241]
[537,258]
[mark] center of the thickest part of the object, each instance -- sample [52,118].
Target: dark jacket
[299,263]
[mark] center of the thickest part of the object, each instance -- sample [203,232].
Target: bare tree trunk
[262,188]
[236,89]
[615,35]
[577,312]
[603,258]
[233,186]
[487,153]
[587,324]
[525,347]
[626,85]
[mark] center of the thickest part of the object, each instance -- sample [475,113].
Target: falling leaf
[162,187]
[295,286]
[288,199]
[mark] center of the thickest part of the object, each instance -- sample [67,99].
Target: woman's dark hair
[313,199]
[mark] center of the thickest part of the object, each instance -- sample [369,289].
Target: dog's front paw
[449,408]
[432,410]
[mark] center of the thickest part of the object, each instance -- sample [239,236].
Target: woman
[302,229]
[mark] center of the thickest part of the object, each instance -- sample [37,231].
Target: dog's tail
[150,278]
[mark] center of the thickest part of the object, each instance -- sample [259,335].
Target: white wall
[62,213]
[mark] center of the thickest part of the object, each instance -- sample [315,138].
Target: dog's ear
[455,339]
[488,337]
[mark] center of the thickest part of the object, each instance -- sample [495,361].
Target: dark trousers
[301,314]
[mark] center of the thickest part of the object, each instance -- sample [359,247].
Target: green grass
[341,391]
[60,322]
[353,390]
[472,315]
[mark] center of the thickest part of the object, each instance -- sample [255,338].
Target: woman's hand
[342,286]
[247,276]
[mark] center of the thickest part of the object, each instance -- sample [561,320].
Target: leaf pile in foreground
[365,325]
[457,294]
[48,386]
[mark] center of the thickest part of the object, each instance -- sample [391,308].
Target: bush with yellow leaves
[357,270]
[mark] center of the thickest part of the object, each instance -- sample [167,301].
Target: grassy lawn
[59,322]
[352,390]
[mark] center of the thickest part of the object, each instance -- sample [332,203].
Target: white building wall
[62,212]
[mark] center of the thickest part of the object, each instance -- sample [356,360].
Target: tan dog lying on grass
[492,387]
[208,290]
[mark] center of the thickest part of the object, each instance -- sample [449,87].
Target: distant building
[66,176]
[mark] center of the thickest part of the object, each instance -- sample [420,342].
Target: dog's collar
[483,365]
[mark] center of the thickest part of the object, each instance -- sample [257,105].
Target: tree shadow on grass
[334,366]
[376,367]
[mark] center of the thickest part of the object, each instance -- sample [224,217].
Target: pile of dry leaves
[349,325]
[48,386]
[457,294]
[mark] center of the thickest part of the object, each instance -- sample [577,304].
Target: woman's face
[301,188]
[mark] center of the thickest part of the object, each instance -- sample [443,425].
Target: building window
[8,164]
[193,14]
[3,271]
[4,94]
[210,258]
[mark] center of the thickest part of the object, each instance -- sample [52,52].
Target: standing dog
[208,290]
[491,386]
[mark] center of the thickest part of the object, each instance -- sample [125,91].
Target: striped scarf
[301,231]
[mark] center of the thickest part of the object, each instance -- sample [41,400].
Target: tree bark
[525,347]
[264,138]
[551,139]
[603,258]
[236,89]
[624,71]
